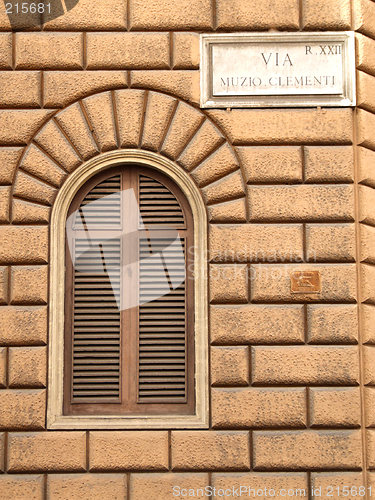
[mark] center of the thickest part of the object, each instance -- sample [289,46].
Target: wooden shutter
[158,206]
[138,359]
[96,320]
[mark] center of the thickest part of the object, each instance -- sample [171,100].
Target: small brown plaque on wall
[305,282]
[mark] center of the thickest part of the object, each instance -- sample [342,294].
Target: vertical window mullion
[129,275]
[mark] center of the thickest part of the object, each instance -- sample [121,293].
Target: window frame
[55,417]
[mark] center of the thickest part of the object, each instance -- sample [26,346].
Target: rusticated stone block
[326,15]
[22,410]
[23,325]
[368,323]
[258,408]
[366,130]
[14,250]
[365,91]
[27,366]
[258,484]
[371,449]
[332,324]
[123,50]
[9,158]
[186,52]
[301,203]
[334,365]
[17,126]
[49,51]
[63,87]
[299,126]
[86,486]
[170,14]
[367,205]
[3,367]
[5,51]
[331,484]
[29,285]
[228,211]
[335,407]
[210,450]
[4,273]
[280,164]
[369,365]
[163,486]
[370,406]
[1,451]
[37,451]
[273,283]
[329,164]
[22,487]
[88,15]
[40,165]
[20,89]
[229,187]
[316,450]
[364,17]
[257,324]
[33,190]
[25,212]
[128,450]
[365,53]
[277,14]
[228,283]
[4,203]
[367,234]
[221,163]
[368,283]
[230,366]
[330,242]
[180,83]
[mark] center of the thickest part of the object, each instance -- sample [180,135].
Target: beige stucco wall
[292,402]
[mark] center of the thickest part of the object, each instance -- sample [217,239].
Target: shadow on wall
[34,13]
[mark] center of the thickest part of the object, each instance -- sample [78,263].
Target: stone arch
[128,118]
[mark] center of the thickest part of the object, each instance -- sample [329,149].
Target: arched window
[129,330]
[128,343]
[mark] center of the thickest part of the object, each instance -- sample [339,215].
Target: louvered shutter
[162,314]
[96,290]
[136,358]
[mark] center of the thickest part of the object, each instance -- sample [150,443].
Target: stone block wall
[292,376]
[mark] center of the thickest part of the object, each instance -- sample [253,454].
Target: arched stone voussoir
[38,164]
[220,163]
[27,212]
[53,141]
[32,189]
[228,211]
[228,188]
[204,142]
[159,111]
[127,119]
[73,122]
